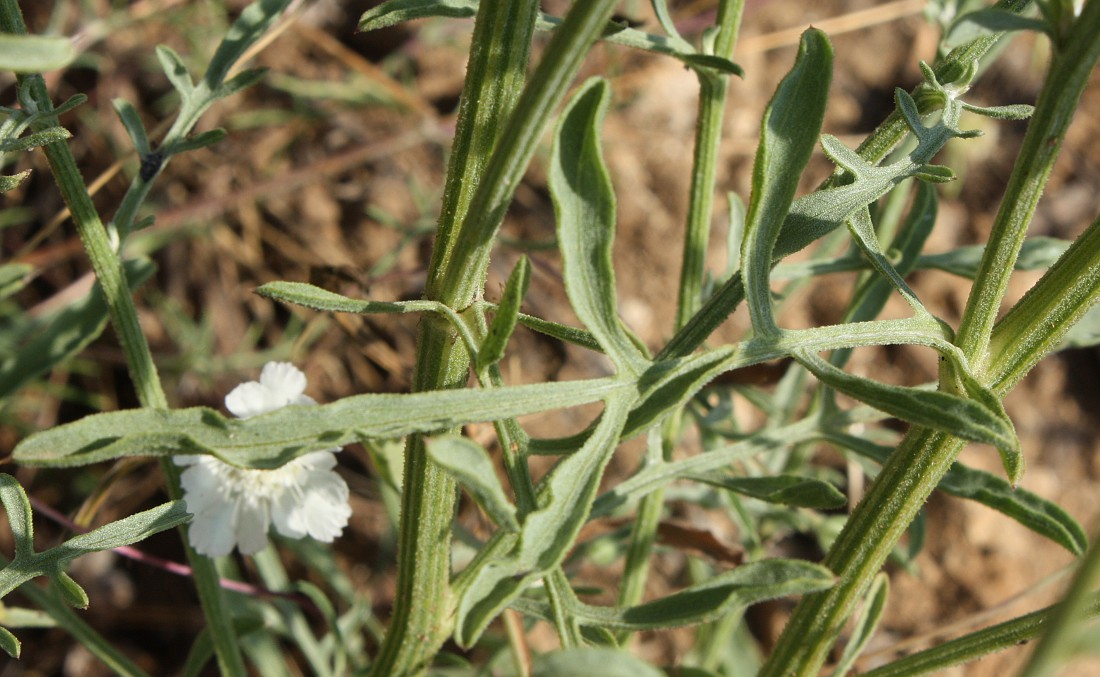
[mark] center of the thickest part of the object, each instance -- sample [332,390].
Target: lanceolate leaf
[504,322]
[565,498]
[802,492]
[271,440]
[966,418]
[1034,512]
[584,203]
[788,133]
[720,596]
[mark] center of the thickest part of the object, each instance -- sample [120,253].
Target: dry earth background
[331,174]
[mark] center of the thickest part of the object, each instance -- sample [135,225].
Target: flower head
[236,506]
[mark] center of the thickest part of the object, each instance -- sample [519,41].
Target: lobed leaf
[788,133]
[584,204]
[28,564]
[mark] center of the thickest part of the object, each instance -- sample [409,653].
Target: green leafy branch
[28,564]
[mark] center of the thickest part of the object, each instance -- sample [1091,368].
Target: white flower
[236,506]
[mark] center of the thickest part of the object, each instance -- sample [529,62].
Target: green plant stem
[713,90]
[139,360]
[919,463]
[476,195]
[423,607]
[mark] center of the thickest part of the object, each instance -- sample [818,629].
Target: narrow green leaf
[12,181]
[708,601]
[176,71]
[589,661]
[34,53]
[863,232]
[39,138]
[71,591]
[584,203]
[125,531]
[240,82]
[976,645]
[200,140]
[133,124]
[1034,512]
[935,174]
[271,440]
[959,416]
[18,509]
[788,134]
[710,61]
[800,492]
[565,499]
[504,322]
[9,643]
[668,385]
[393,12]
[562,332]
[470,464]
[1013,112]
[65,335]
[249,27]
[23,617]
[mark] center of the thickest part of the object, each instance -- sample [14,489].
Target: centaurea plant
[273,462]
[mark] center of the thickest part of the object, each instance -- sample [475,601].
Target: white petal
[319,508]
[284,379]
[253,521]
[213,534]
[252,399]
